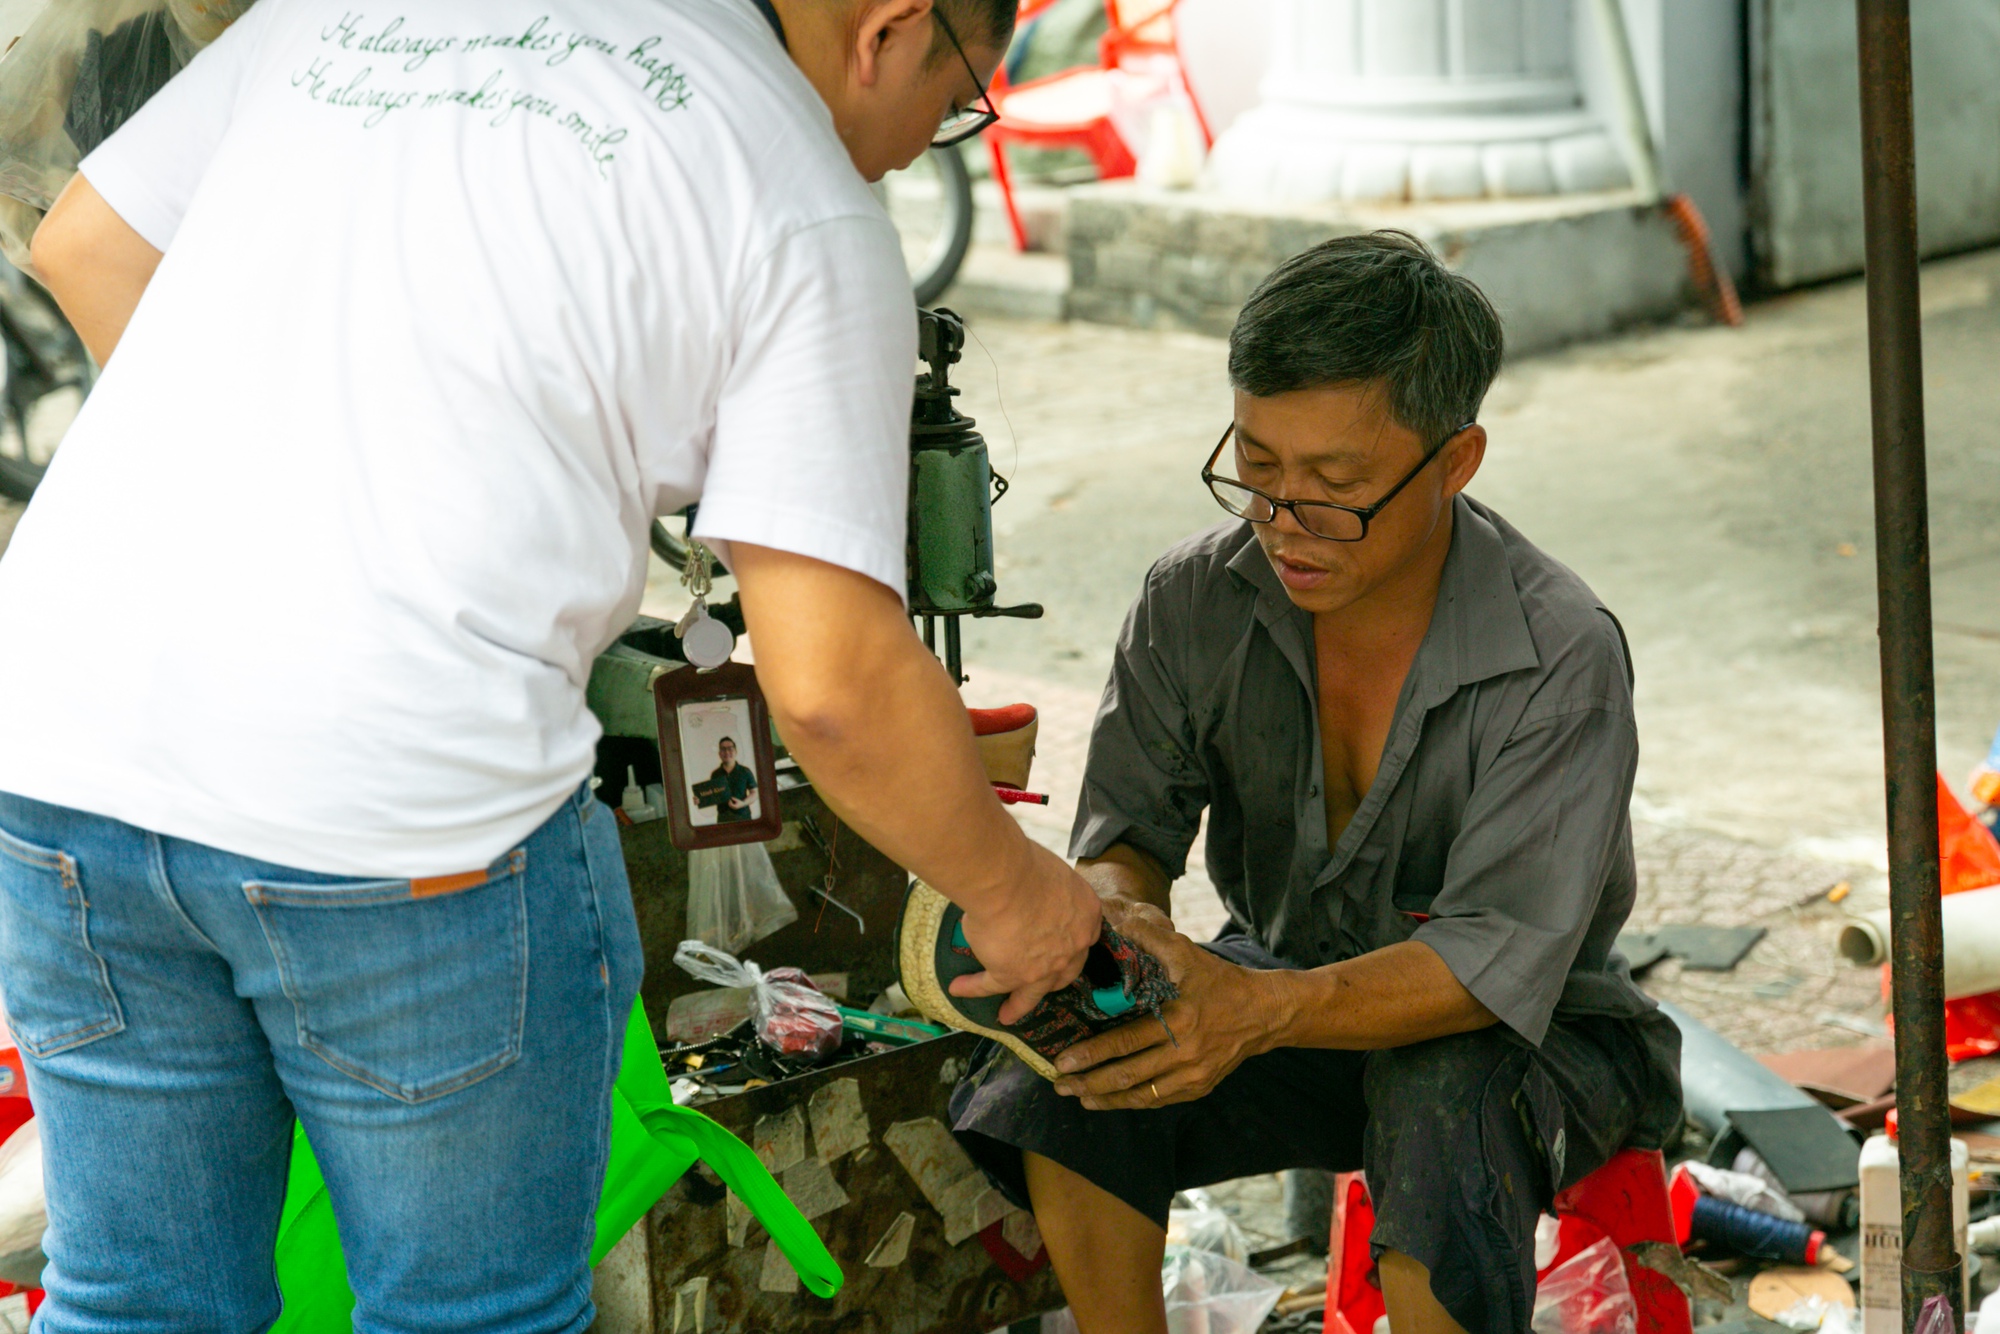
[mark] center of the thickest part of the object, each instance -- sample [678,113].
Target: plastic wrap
[1818,1313]
[1587,1294]
[1204,1227]
[1206,1293]
[1744,1187]
[734,898]
[1209,1293]
[790,1015]
[72,76]
[1935,1318]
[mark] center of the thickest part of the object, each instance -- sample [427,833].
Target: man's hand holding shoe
[1225,1015]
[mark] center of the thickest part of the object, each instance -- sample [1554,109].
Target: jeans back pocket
[59,992]
[416,988]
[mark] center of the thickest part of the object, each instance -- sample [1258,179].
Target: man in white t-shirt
[420,317]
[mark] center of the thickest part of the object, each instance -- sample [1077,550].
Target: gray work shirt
[1497,830]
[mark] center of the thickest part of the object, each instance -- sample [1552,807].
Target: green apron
[652,1143]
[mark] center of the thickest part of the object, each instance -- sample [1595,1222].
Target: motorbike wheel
[930,201]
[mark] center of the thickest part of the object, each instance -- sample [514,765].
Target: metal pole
[954,657]
[1909,723]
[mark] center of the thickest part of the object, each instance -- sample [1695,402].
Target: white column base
[1288,153]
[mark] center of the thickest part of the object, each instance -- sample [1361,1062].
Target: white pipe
[1971,941]
[1616,44]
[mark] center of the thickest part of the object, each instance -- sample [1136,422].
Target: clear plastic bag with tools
[73,72]
[791,1015]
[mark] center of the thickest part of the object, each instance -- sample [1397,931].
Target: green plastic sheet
[652,1143]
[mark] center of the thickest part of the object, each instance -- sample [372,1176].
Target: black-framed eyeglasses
[964,124]
[1321,518]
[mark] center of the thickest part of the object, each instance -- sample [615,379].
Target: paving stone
[1777,997]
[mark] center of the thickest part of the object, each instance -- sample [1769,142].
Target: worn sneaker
[1118,978]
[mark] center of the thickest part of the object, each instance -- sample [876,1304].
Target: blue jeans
[449,1046]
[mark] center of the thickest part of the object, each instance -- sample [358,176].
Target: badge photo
[719,761]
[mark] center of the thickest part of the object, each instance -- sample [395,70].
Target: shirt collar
[770,14]
[1478,630]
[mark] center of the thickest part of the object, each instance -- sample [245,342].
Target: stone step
[1559,269]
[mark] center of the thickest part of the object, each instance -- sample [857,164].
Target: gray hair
[1378,309]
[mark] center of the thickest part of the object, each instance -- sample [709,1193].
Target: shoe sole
[916,955]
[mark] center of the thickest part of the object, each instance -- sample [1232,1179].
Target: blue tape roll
[1748,1232]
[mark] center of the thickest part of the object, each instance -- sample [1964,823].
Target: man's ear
[886,29]
[1463,455]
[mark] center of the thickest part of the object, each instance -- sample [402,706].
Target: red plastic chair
[15,1112]
[1072,108]
[1625,1200]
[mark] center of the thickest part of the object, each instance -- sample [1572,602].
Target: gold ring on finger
[1156,1089]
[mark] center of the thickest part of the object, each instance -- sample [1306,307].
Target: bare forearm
[1387,998]
[94,265]
[1125,875]
[874,720]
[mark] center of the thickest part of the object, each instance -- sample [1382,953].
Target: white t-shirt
[457,297]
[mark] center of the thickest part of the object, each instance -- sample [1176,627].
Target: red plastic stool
[1625,1200]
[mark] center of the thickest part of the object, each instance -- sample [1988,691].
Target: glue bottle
[634,804]
[1882,1228]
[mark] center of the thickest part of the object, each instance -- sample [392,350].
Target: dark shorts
[1464,1139]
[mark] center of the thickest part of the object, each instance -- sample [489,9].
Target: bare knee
[1106,1253]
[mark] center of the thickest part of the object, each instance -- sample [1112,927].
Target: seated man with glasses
[1412,732]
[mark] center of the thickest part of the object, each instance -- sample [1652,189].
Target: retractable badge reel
[705,642]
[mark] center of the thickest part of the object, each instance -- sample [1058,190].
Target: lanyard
[771,17]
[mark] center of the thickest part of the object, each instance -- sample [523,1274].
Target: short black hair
[988,23]
[1379,308]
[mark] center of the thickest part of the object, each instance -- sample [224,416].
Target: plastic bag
[1746,1187]
[1587,1294]
[1935,1318]
[791,1017]
[1206,1228]
[1213,1294]
[1206,1293]
[73,75]
[734,898]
